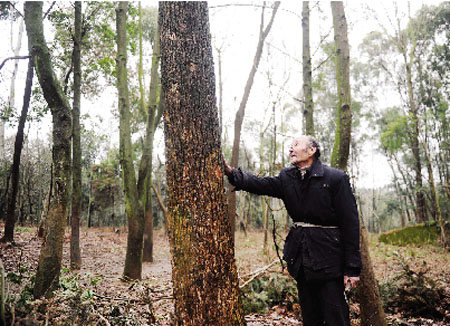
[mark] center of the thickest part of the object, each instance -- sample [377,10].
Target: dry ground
[149,301]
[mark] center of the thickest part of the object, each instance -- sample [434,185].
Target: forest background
[400,85]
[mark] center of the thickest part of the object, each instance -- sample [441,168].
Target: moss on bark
[204,272]
[49,265]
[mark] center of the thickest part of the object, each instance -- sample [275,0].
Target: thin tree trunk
[161,204]
[263,32]
[15,168]
[420,197]
[409,58]
[341,148]
[75,253]
[49,265]
[133,208]
[154,112]
[12,90]
[435,197]
[372,313]
[205,283]
[307,74]
[88,217]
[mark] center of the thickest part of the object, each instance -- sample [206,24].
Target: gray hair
[314,143]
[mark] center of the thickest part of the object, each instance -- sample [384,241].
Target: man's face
[300,153]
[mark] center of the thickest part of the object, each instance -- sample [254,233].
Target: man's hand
[350,281]
[228,169]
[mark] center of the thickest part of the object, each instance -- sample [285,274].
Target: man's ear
[312,151]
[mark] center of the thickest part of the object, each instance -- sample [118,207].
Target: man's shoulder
[333,172]
[289,171]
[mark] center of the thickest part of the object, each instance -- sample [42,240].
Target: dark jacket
[323,197]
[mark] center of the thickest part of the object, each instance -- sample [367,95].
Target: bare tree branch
[14,58]
[17,10]
[251,5]
[49,9]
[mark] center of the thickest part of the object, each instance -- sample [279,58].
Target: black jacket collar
[316,170]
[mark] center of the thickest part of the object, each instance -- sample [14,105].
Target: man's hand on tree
[350,281]
[228,169]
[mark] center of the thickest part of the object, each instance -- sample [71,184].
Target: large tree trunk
[341,148]
[49,265]
[263,32]
[307,74]
[204,272]
[15,168]
[372,313]
[133,206]
[75,254]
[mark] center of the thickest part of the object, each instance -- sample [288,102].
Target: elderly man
[322,247]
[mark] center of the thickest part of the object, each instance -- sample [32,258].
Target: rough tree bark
[49,266]
[308,112]
[75,253]
[263,32]
[133,205]
[203,268]
[10,220]
[372,313]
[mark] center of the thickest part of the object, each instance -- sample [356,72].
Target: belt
[309,225]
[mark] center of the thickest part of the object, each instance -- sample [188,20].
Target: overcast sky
[235,30]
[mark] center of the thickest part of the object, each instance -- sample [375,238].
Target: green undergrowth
[420,234]
[268,291]
[414,292]
[76,302]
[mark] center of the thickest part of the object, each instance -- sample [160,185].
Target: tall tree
[341,148]
[133,205]
[154,112]
[408,57]
[12,90]
[372,312]
[203,268]
[75,253]
[50,257]
[263,32]
[307,74]
[15,168]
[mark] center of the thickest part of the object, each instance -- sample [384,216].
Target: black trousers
[323,302]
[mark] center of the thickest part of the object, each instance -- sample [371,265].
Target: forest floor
[96,295]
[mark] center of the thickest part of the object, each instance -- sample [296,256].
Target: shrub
[414,294]
[268,291]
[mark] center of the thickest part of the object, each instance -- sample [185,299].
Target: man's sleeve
[269,186]
[345,205]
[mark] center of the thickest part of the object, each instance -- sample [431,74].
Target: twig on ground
[102,319]
[256,273]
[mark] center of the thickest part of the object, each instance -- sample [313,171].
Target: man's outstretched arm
[241,180]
